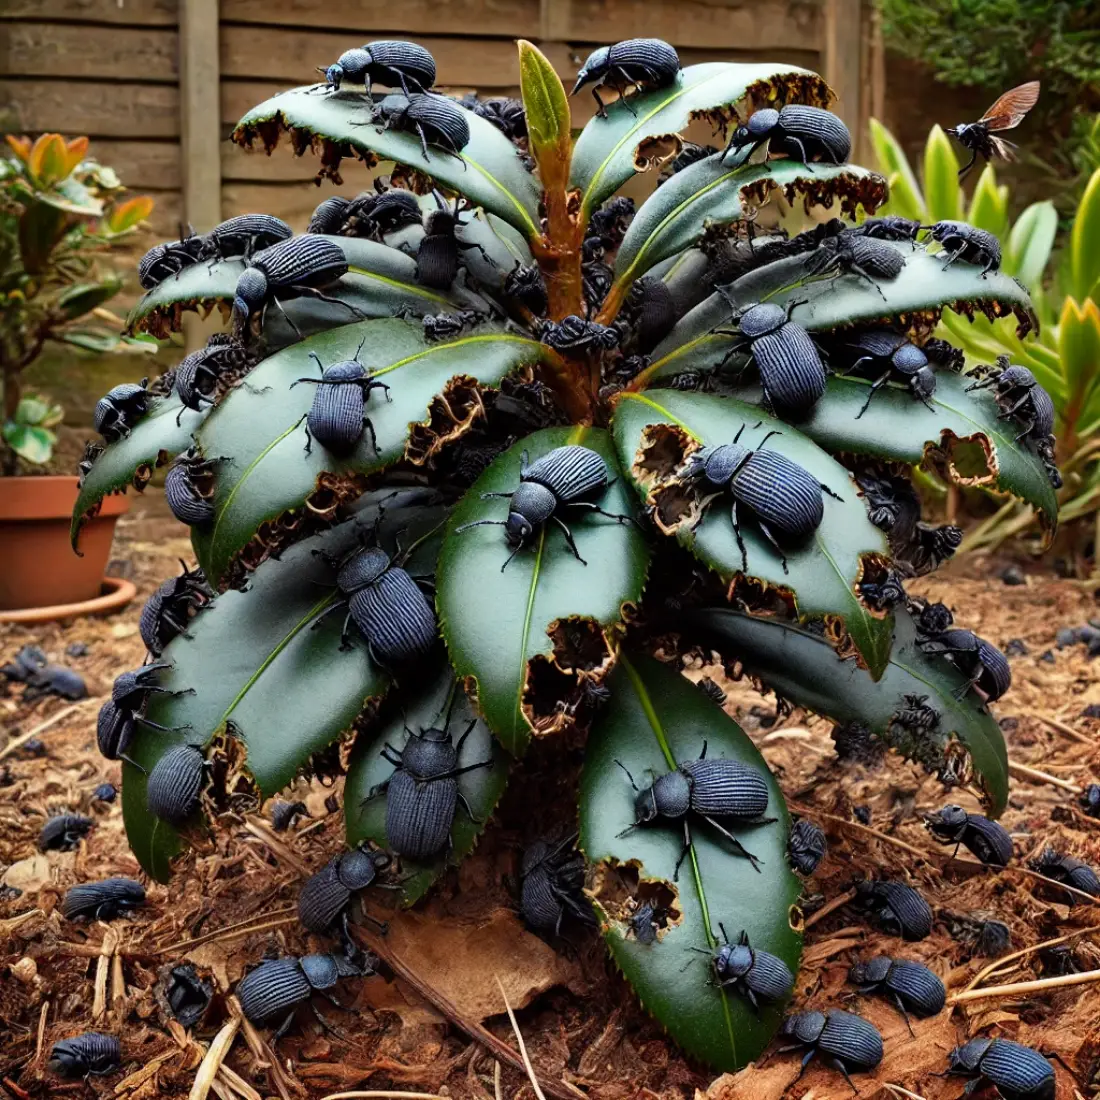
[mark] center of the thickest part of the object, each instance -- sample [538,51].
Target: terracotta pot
[37,565]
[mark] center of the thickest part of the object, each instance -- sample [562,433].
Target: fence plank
[92,107]
[134,13]
[141,165]
[841,61]
[106,53]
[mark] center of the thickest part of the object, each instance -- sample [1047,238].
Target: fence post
[846,53]
[200,123]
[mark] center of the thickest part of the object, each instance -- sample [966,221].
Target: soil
[445,1032]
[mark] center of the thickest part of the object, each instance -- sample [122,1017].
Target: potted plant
[59,215]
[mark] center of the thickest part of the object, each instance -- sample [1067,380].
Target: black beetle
[750,972]
[119,410]
[337,417]
[551,881]
[172,792]
[188,502]
[609,224]
[170,258]
[967,243]
[1018,1072]
[371,215]
[187,995]
[1090,800]
[435,119]
[422,794]
[647,63]
[784,498]
[643,922]
[574,335]
[394,64]
[865,257]
[848,1042]
[449,326]
[105,792]
[289,269]
[330,216]
[798,132]
[560,479]
[1068,870]
[324,897]
[438,256]
[791,372]
[1021,397]
[198,374]
[284,814]
[651,302]
[506,114]
[90,1054]
[115,729]
[131,689]
[893,353]
[984,665]
[911,986]
[807,846]
[168,610]
[527,286]
[33,668]
[63,832]
[891,227]
[898,909]
[710,789]
[102,900]
[596,280]
[986,839]
[387,606]
[689,154]
[244,235]
[92,450]
[278,986]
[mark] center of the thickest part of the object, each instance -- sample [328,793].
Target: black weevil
[847,1041]
[911,986]
[986,839]
[646,63]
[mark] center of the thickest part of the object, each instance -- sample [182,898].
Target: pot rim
[49,497]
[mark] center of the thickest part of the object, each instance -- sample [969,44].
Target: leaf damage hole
[964,460]
[655,152]
[852,191]
[229,786]
[562,690]
[638,908]
[662,452]
[302,141]
[165,319]
[994,308]
[451,414]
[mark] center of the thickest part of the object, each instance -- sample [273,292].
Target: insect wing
[1010,109]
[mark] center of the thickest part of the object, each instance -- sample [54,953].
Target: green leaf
[899,428]
[1030,243]
[804,669]
[500,625]
[488,171]
[906,199]
[1079,347]
[366,816]
[98,343]
[263,670]
[639,134]
[710,192]
[30,443]
[1084,256]
[41,226]
[923,286]
[82,298]
[821,575]
[381,281]
[545,105]
[657,719]
[941,178]
[259,425]
[989,205]
[131,460]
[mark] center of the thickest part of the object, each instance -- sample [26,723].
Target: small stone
[105,792]
[76,649]
[1009,724]
[1015,647]
[1047,656]
[1013,575]
[25,970]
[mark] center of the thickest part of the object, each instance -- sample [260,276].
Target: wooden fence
[158,84]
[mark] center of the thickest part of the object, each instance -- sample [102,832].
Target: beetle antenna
[723,930]
[359,349]
[481,523]
[767,437]
[738,435]
[628,775]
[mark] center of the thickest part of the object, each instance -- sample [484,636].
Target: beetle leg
[875,387]
[901,1008]
[789,140]
[327,611]
[345,634]
[740,541]
[807,1059]
[597,510]
[825,489]
[313,292]
[953,257]
[771,538]
[423,140]
[963,172]
[837,1064]
[683,851]
[286,316]
[741,849]
[369,427]
[601,110]
[569,539]
[134,763]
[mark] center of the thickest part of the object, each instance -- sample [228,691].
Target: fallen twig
[1042,777]
[23,738]
[522,1045]
[215,1055]
[831,907]
[1024,952]
[811,812]
[1035,986]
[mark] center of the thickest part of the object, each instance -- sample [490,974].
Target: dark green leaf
[99,343]
[498,624]
[804,669]
[635,136]
[822,574]
[259,427]
[657,719]
[380,282]
[489,170]
[75,301]
[714,192]
[259,670]
[155,439]
[31,444]
[481,788]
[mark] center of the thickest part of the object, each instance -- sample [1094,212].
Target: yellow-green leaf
[547,110]
[1079,346]
[126,215]
[989,206]
[1084,256]
[941,178]
[906,199]
[1030,243]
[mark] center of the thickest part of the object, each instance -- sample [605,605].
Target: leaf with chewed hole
[480,788]
[805,670]
[489,170]
[656,431]
[155,438]
[260,423]
[537,634]
[641,132]
[656,720]
[262,665]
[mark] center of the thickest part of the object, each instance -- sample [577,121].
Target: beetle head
[804,1026]
[645,806]
[393,107]
[733,960]
[334,74]
[248,297]
[1013,376]
[965,1059]
[593,68]
[874,970]
[948,819]
[923,383]
[518,530]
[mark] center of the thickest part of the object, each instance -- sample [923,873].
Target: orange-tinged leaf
[47,160]
[21,146]
[74,153]
[128,214]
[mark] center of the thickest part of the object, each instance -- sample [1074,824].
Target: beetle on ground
[102,900]
[846,1041]
[911,986]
